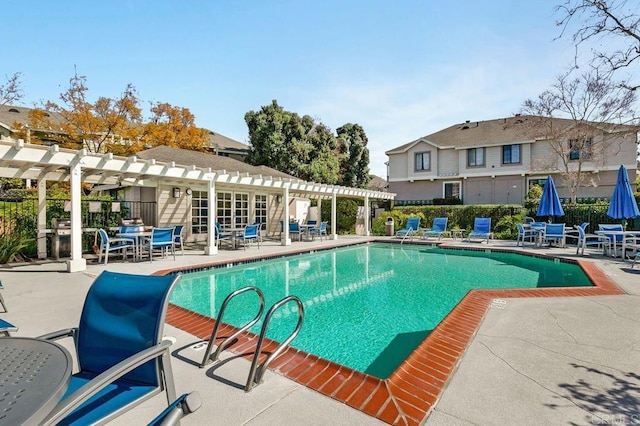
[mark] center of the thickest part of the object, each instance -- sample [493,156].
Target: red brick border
[408,394]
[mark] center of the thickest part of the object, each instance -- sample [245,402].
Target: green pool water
[367,306]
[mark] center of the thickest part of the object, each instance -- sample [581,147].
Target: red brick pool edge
[407,396]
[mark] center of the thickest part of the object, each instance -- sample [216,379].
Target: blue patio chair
[221,236]
[6,327]
[162,239]
[614,238]
[584,240]
[525,234]
[185,404]
[4,306]
[438,229]
[250,233]
[122,359]
[178,237]
[312,222]
[320,230]
[410,228]
[107,245]
[554,232]
[294,229]
[481,229]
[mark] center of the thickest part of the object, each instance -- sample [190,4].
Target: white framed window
[241,209]
[423,161]
[261,209]
[199,212]
[224,209]
[452,190]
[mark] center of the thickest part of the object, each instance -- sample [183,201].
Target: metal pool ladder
[227,341]
[256,372]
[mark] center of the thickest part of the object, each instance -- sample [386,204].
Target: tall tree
[594,108]
[92,126]
[292,144]
[11,91]
[174,126]
[614,24]
[354,164]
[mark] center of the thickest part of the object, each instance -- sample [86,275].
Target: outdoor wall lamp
[278,199]
[176,192]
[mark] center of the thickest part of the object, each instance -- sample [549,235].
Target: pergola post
[286,239]
[334,217]
[77,262]
[211,247]
[42,218]
[367,216]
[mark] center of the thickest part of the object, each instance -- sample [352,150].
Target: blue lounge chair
[584,240]
[221,236]
[162,239]
[107,245]
[251,233]
[320,230]
[525,234]
[481,229]
[294,229]
[122,359]
[438,229]
[554,232]
[178,237]
[410,228]
[6,327]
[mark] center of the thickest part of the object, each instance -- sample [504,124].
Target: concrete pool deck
[532,361]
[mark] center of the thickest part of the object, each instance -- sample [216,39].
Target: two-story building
[496,161]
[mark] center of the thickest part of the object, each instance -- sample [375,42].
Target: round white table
[34,375]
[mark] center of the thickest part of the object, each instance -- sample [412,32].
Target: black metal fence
[20,216]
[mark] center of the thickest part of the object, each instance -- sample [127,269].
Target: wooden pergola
[52,163]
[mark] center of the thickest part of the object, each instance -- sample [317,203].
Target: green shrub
[346,212]
[11,247]
[506,228]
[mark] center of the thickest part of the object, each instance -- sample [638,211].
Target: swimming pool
[368,306]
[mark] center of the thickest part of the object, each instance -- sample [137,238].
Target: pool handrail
[207,358]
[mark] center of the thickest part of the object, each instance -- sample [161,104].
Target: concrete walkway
[535,361]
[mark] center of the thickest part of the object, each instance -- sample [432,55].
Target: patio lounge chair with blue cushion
[584,240]
[6,327]
[481,229]
[178,237]
[554,232]
[122,359]
[410,228]
[321,230]
[107,245]
[161,238]
[525,234]
[438,229]
[294,229]
[250,234]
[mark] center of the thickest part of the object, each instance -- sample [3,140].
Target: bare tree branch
[11,92]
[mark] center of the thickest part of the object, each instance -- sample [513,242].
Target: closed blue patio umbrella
[550,202]
[623,204]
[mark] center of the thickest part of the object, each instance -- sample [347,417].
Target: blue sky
[401,69]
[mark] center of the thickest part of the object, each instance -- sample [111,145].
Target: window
[579,149]
[452,190]
[539,182]
[241,214]
[224,209]
[423,161]
[199,212]
[511,154]
[475,157]
[261,209]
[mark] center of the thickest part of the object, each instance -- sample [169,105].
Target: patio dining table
[307,230]
[138,238]
[35,374]
[624,234]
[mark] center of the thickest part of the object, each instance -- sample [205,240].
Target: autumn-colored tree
[174,126]
[11,91]
[93,126]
